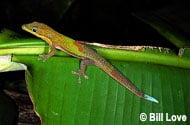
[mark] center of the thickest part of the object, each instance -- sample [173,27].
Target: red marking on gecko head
[80,48]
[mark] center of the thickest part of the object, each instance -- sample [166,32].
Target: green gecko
[87,55]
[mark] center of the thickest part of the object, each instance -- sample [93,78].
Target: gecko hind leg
[83,64]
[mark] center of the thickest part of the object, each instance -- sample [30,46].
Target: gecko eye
[34,29]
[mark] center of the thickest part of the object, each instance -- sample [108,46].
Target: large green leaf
[59,99]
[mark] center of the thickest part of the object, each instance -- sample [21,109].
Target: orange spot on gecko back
[80,48]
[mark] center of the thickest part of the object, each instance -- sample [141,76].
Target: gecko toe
[85,76]
[74,72]
[42,57]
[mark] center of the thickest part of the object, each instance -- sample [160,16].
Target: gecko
[88,56]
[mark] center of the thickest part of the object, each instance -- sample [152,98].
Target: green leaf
[59,99]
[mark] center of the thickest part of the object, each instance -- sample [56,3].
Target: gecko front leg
[43,57]
[83,64]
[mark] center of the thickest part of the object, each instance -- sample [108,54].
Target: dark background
[103,21]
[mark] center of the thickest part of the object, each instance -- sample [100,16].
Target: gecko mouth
[28,29]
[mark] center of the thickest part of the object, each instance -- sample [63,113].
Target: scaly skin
[78,50]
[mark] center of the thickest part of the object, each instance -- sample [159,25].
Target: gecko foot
[79,74]
[43,57]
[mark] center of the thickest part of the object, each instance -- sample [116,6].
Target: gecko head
[37,29]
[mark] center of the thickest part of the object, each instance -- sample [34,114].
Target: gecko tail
[150,98]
